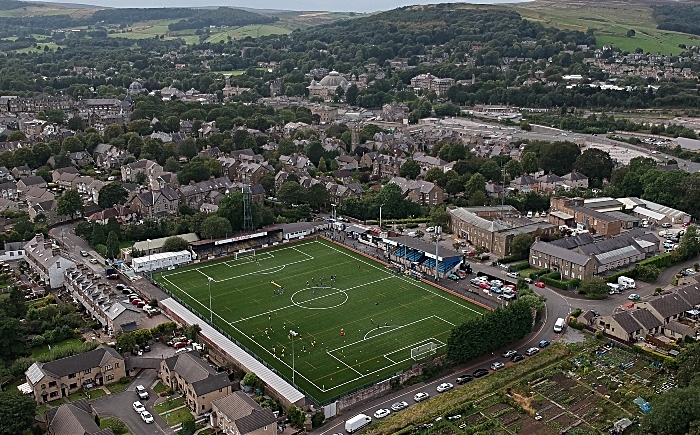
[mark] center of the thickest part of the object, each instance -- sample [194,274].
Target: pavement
[119,405]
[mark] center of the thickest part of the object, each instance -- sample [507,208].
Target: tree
[318,197]
[594,287]
[410,169]
[436,175]
[351,94]
[111,194]
[16,136]
[188,148]
[490,170]
[688,362]
[454,186]
[559,157]
[171,165]
[267,181]
[296,416]
[477,183]
[647,272]
[142,127]
[631,33]
[175,243]
[215,227]
[439,217]
[322,165]
[530,162]
[596,164]
[17,412]
[514,169]
[126,342]
[69,203]
[112,245]
[291,193]
[689,246]
[520,246]
[98,235]
[673,413]
[196,171]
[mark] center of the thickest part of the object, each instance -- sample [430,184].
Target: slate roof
[190,367]
[645,318]
[574,176]
[247,415]
[415,185]
[33,180]
[74,419]
[690,294]
[72,364]
[626,321]
[670,305]
[559,252]
[574,242]
[479,222]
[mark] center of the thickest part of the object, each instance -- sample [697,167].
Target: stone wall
[375,390]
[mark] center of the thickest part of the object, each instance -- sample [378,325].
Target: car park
[544,343]
[509,353]
[480,373]
[496,283]
[539,284]
[381,413]
[398,406]
[141,392]
[464,379]
[517,357]
[497,365]
[445,386]
[419,397]
[138,407]
[496,289]
[531,351]
[147,417]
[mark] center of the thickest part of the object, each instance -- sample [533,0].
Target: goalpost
[246,253]
[423,350]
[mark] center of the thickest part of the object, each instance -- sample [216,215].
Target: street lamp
[380,217]
[293,334]
[438,230]
[211,313]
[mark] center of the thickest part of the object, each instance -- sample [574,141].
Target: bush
[318,419]
[519,266]
[661,261]
[577,312]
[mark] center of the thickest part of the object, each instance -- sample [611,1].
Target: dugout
[419,256]
[211,248]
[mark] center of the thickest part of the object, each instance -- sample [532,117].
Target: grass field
[254,31]
[610,22]
[351,332]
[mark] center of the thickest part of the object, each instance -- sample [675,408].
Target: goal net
[423,350]
[248,253]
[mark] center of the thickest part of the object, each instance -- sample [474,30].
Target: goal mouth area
[248,253]
[420,352]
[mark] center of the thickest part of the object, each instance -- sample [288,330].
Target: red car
[180,344]
[485,285]
[539,284]
[461,274]
[686,224]
[136,302]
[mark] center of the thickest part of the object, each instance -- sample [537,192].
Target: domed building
[325,88]
[135,88]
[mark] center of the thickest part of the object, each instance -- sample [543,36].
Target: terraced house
[56,379]
[195,379]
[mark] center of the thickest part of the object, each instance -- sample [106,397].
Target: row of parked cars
[505,291]
[137,300]
[138,406]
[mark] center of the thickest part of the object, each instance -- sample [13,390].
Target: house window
[116,365]
[53,394]
[108,367]
[72,375]
[73,386]
[52,384]
[43,386]
[87,371]
[109,377]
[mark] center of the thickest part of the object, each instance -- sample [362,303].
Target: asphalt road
[119,405]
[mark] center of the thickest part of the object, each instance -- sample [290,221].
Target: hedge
[630,273]
[661,261]
[655,356]
[554,279]
[510,259]
[518,266]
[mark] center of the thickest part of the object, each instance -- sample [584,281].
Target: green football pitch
[352,331]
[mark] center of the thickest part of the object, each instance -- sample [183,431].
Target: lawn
[43,352]
[168,405]
[93,394]
[253,30]
[118,386]
[177,416]
[610,22]
[117,426]
[352,332]
[159,388]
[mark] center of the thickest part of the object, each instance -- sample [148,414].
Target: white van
[559,325]
[614,288]
[627,282]
[357,422]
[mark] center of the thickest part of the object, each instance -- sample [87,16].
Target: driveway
[119,405]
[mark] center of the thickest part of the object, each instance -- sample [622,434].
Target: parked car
[666,225]
[461,274]
[528,280]
[539,284]
[381,413]
[513,274]
[141,392]
[419,397]
[497,365]
[480,373]
[464,379]
[147,417]
[138,407]
[633,297]
[509,353]
[544,343]
[686,224]
[84,253]
[517,357]
[531,351]
[93,261]
[398,406]
[484,285]
[445,386]
[453,277]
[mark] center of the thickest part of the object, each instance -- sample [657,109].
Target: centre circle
[319,298]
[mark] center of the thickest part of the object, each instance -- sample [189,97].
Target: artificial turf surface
[356,330]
